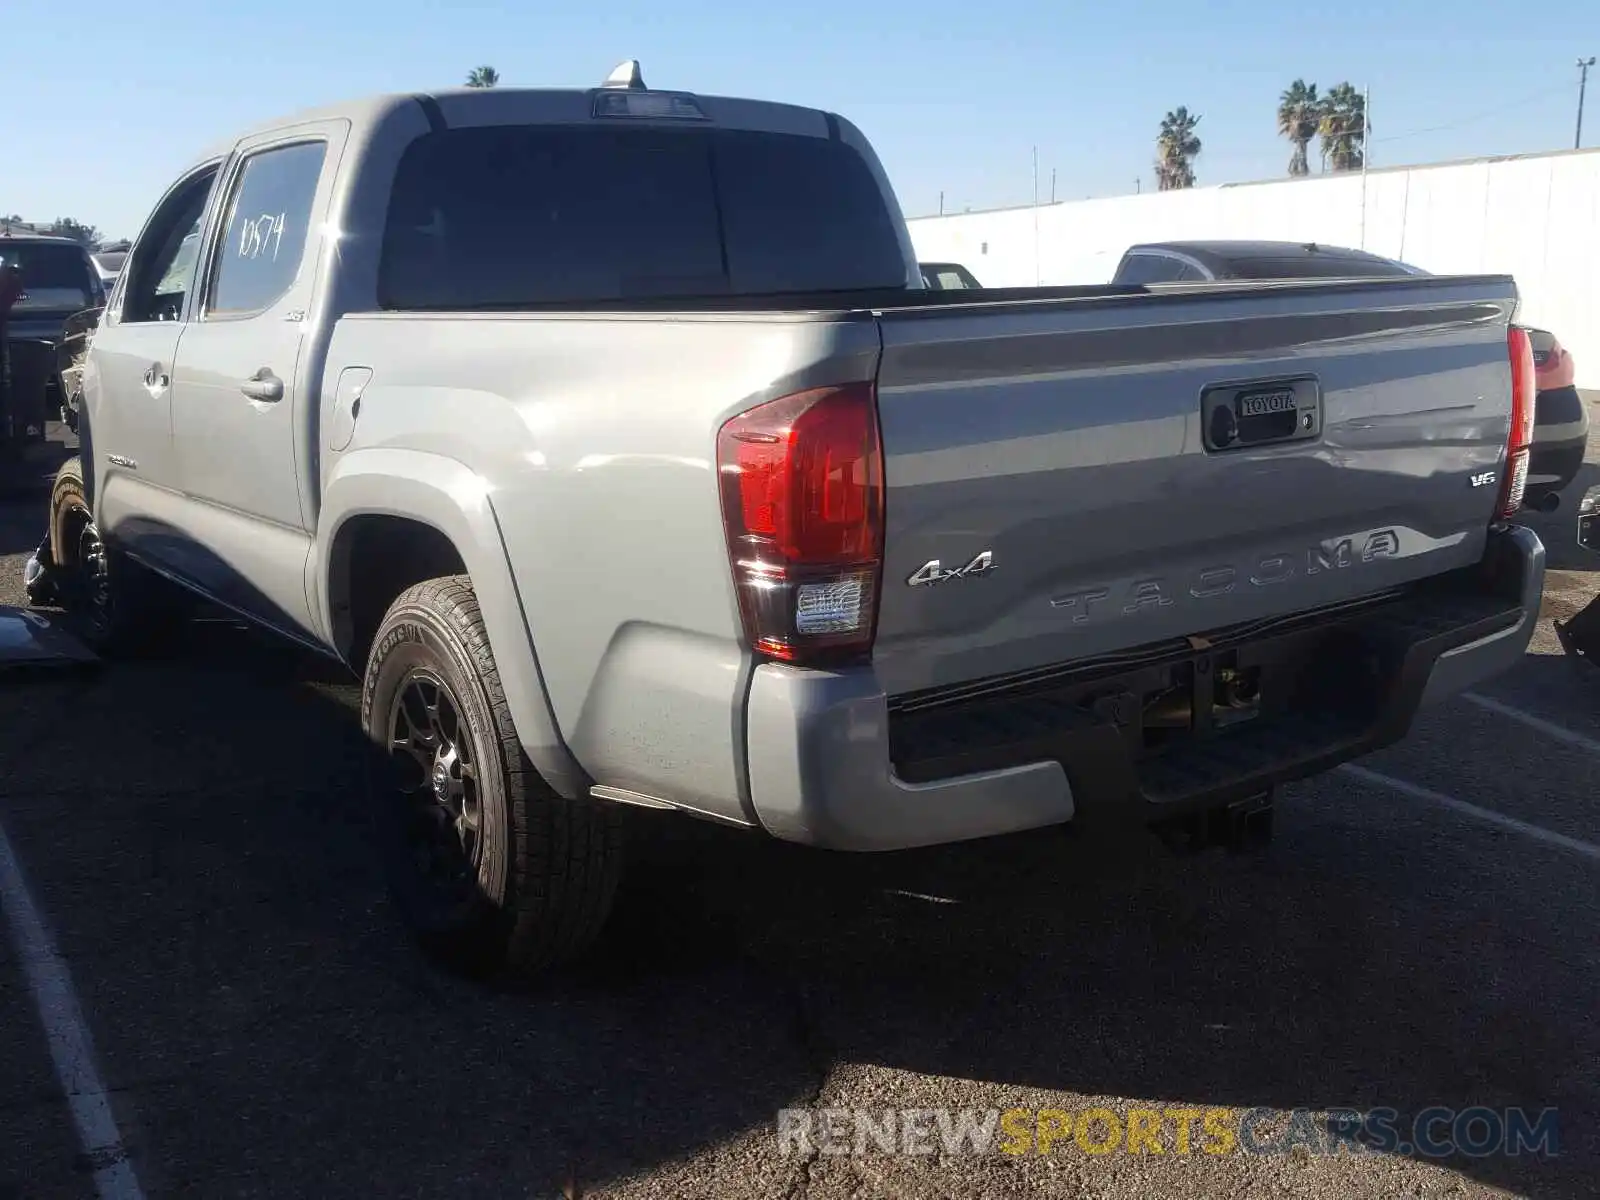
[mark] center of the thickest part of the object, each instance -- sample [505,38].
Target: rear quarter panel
[594,441]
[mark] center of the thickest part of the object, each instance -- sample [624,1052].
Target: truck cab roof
[517,106]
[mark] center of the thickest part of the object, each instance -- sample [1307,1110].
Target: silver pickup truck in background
[612,438]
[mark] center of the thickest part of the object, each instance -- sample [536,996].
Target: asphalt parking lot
[193,836]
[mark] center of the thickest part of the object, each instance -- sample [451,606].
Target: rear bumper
[1514,562]
[833,763]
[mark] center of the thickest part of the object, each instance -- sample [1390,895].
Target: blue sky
[115,97]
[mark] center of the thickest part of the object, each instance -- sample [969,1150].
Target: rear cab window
[509,216]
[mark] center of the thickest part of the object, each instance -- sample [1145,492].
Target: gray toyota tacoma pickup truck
[612,438]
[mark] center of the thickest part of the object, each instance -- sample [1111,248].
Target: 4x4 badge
[932,572]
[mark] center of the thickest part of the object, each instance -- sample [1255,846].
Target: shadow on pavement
[1314,977]
[198,831]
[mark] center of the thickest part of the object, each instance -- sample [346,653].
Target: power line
[1472,120]
[1210,160]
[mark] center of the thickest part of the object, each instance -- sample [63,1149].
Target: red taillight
[1524,389]
[802,502]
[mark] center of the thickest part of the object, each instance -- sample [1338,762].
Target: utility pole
[1036,216]
[1583,85]
[1366,128]
[1366,125]
[941,204]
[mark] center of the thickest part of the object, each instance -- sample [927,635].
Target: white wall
[1536,218]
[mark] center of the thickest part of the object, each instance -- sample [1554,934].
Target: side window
[159,272]
[1150,268]
[1134,269]
[269,215]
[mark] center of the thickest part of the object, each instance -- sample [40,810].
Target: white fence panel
[1536,218]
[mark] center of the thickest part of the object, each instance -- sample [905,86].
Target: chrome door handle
[264,386]
[155,379]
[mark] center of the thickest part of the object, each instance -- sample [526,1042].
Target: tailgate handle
[1241,416]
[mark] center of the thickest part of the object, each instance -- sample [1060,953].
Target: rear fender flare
[453,499]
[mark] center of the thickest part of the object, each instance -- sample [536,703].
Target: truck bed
[1060,431]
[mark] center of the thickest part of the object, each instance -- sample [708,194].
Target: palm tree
[1299,117]
[1343,128]
[1176,149]
[483,77]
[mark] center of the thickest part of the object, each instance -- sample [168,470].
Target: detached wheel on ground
[491,867]
[120,608]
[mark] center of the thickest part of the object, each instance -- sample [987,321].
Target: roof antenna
[626,75]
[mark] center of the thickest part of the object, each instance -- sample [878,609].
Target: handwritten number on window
[261,236]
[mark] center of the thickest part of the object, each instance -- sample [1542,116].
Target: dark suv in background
[59,281]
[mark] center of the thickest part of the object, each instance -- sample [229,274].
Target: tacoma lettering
[1151,594]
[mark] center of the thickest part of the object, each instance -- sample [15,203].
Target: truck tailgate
[1061,484]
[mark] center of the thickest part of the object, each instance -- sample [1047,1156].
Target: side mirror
[1588,513]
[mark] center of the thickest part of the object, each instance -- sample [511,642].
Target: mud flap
[1580,636]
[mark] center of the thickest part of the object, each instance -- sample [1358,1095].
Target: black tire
[492,869]
[118,607]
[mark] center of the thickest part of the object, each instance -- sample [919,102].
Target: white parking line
[1488,816]
[1549,728]
[70,1044]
